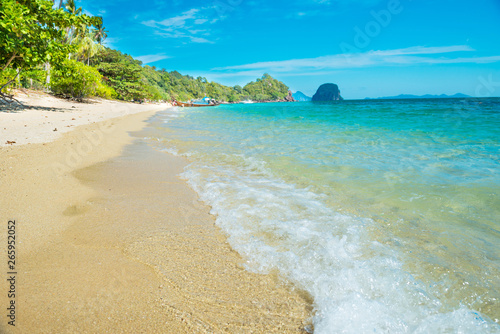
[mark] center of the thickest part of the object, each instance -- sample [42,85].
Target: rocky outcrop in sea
[327,92]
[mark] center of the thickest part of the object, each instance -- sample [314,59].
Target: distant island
[327,92]
[301,97]
[427,96]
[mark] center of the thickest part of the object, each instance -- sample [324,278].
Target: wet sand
[113,241]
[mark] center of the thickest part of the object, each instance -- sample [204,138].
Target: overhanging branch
[11,81]
[10,98]
[9,61]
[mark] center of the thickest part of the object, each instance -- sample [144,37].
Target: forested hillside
[131,80]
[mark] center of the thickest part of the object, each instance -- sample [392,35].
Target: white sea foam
[358,285]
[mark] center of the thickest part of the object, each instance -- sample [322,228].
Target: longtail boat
[189,104]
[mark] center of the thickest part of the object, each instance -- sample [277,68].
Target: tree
[87,47]
[75,31]
[32,33]
[71,8]
[123,73]
[100,32]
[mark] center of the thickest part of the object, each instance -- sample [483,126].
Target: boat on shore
[189,104]
[205,102]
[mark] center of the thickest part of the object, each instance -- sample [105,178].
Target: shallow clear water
[386,212]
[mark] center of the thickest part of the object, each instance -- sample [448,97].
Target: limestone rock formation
[327,92]
[289,98]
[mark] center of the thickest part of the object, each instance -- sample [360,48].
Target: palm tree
[71,7]
[60,3]
[87,46]
[100,32]
[72,32]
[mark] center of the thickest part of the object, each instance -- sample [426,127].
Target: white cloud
[424,50]
[186,25]
[407,56]
[200,40]
[200,21]
[179,21]
[152,58]
[198,31]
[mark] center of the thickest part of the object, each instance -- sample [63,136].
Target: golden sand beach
[110,240]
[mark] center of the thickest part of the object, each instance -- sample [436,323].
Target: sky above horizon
[370,48]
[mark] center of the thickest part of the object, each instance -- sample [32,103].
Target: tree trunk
[10,81]
[9,61]
[9,98]
[18,77]
[47,69]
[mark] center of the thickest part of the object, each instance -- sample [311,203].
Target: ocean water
[386,212]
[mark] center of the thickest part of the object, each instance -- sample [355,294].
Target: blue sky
[370,48]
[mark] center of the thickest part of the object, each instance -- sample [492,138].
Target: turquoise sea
[386,212]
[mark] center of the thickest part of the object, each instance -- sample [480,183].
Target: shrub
[105,91]
[34,78]
[77,80]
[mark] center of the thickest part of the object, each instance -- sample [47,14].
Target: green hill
[132,81]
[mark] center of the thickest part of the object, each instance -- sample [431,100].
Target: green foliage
[104,91]
[87,47]
[122,73]
[266,89]
[34,78]
[132,81]
[100,33]
[31,33]
[74,79]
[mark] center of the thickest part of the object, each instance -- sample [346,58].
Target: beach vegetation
[34,78]
[123,74]
[34,34]
[75,79]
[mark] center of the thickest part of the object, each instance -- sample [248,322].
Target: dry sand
[110,240]
[50,117]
